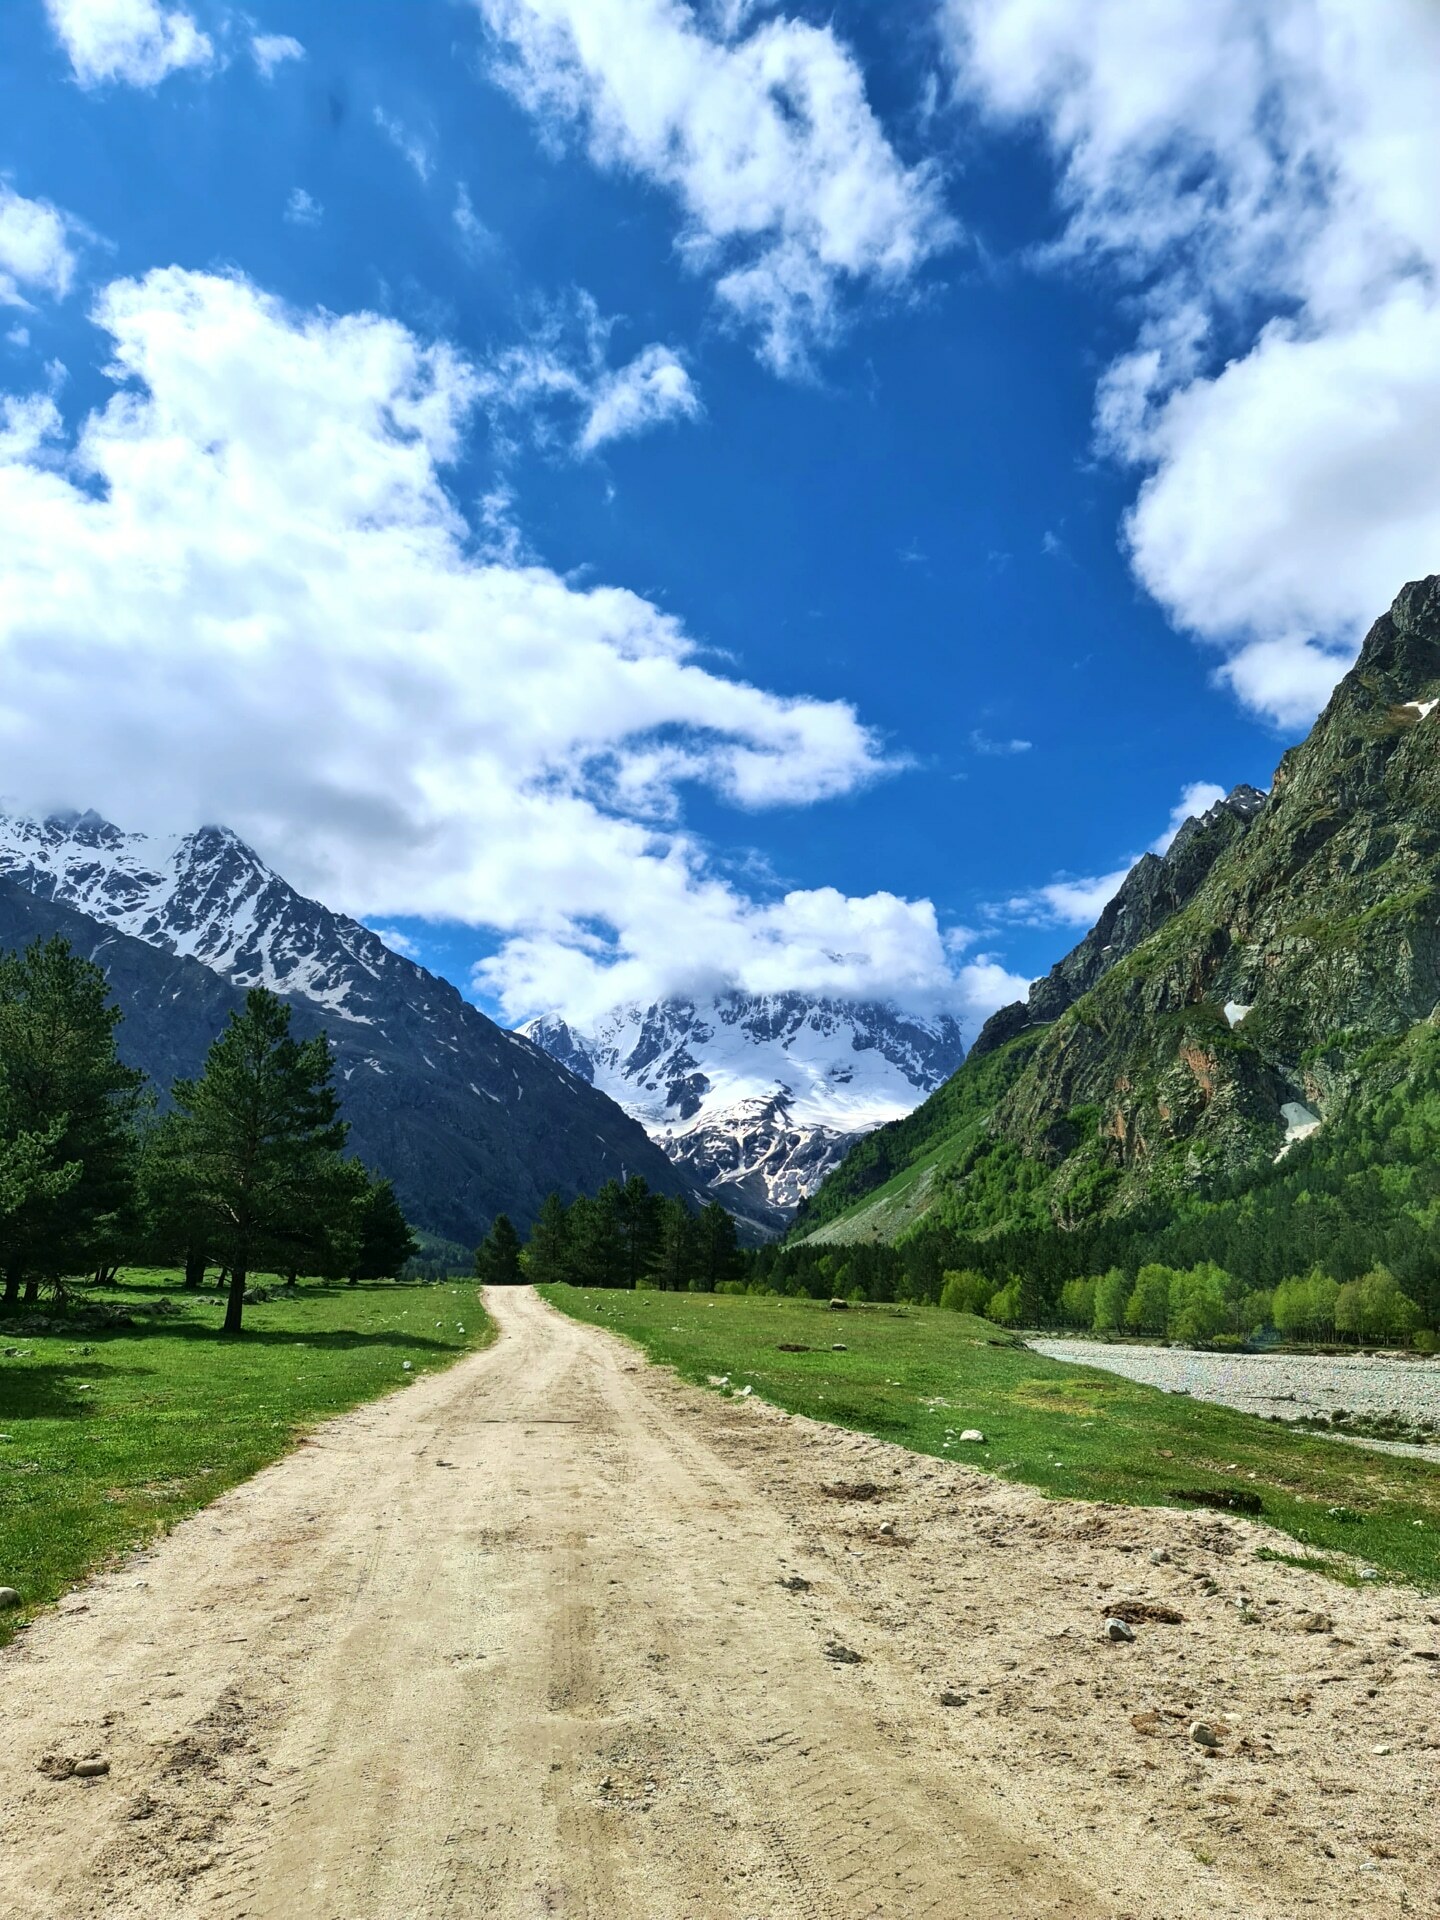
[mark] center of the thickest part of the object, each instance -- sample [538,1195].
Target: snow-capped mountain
[467,1119]
[759,1093]
[205,896]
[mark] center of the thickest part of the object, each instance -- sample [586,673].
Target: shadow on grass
[51,1390]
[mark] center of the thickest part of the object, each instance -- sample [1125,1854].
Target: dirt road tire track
[512,1644]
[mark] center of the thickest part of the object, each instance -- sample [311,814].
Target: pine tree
[260,1140]
[598,1254]
[386,1243]
[717,1251]
[547,1254]
[67,1116]
[673,1264]
[497,1260]
[638,1212]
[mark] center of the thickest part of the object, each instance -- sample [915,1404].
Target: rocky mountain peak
[467,1119]
[761,1092]
[1156,887]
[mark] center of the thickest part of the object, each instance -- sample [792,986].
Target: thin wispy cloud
[412,148]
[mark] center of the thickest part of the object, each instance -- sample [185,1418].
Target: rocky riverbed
[1294,1386]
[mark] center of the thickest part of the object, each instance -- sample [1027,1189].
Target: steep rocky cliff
[1218,1012]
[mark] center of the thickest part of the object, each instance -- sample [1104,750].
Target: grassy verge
[108,1436]
[919,1377]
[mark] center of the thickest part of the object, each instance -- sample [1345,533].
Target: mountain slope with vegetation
[1277,1015]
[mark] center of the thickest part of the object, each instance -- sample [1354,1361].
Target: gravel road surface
[552,1634]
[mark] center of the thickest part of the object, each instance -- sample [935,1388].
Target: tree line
[1008,1278]
[623,1236]
[246,1171]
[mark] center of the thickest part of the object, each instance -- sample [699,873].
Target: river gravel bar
[1291,1385]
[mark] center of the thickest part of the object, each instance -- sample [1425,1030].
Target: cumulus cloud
[1261,174]
[790,192]
[136,42]
[560,385]
[817,941]
[241,590]
[36,250]
[271,51]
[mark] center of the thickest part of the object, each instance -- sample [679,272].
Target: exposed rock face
[760,1093]
[759,1159]
[467,1119]
[1321,921]
[1156,887]
[1235,993]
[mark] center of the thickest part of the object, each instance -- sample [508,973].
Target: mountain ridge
[1252,1011]
[466,1118]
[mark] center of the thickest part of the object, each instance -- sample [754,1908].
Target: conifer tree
[547,1254]
[717,1250]
[67,1111]
[386,1244]
[260,1137]
[598,1254]
[638,1213]
[497,1260]
[673,1264]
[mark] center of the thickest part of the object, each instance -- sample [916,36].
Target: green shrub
[966,1292]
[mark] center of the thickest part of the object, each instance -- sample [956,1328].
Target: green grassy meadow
[920,1376]
[108,1436]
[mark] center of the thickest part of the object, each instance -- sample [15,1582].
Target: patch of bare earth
[554,1634]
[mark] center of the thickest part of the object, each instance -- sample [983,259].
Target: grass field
[919,1376]
[109,1436]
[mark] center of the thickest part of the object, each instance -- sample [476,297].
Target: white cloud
[790,192]
[562,375]
[414,151]
[1078,900]
[652,389]
[1262,173]
[1195,799]
[982,743]
[241,591]
[302,209]
[270,51]
[36,254]
[1070,903]
[138,42]
[398,942]
[476,238]
[817,940]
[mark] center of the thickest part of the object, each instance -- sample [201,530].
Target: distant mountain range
[1274,976]
[759,1094]
[467,1119]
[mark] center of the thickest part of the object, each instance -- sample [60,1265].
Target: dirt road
[515,1644]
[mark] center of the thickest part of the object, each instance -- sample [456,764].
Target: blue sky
[630,494]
